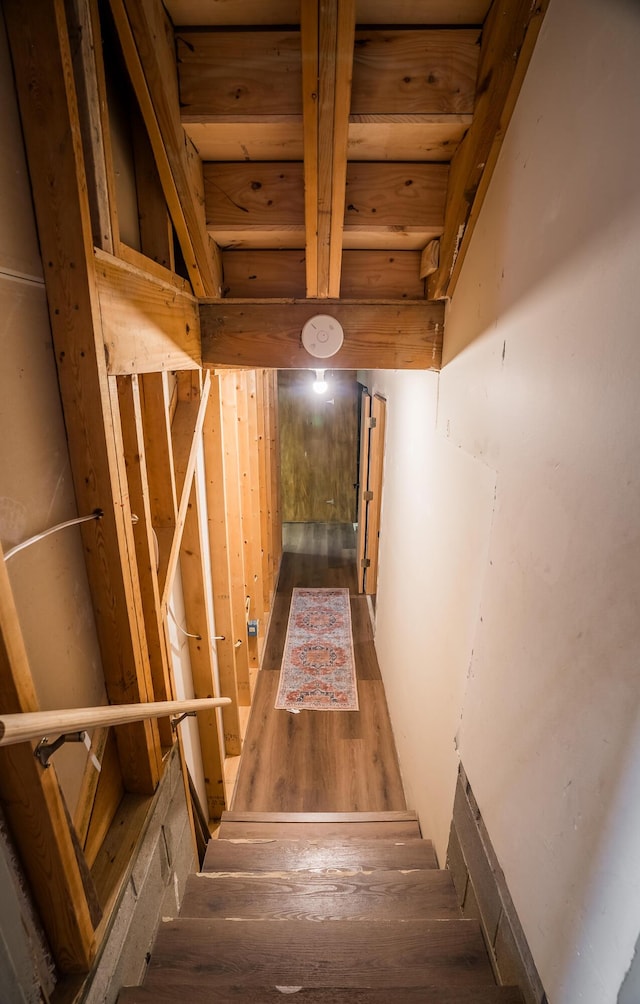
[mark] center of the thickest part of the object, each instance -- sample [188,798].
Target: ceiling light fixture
[322,336]
[320,385]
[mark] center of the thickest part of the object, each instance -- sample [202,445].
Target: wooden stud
[219,561]
[35,809]
[131,413]
[247,489]
[378,335]
[235,550]
[44,80]
[309,29]
[84,33]
[264,489]
[186,435]
[146,38]
[200,650]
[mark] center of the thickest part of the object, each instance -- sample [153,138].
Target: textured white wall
[535,654]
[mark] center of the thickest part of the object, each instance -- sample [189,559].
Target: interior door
[318,446]
[373,419]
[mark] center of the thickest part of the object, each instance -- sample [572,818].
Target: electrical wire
[179,626]
[96,514]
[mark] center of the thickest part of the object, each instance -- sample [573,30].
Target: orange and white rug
[318,666]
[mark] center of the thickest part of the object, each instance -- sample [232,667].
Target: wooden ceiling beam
[376,335]
[508,38]
[146,39]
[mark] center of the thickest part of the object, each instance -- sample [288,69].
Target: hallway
[319,761]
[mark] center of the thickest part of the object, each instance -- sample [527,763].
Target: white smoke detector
[322,336]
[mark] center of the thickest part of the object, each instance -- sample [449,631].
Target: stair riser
[448,953]
[300,855]
[329,995]
[383,895]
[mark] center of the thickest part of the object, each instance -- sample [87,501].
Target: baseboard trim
[483,894]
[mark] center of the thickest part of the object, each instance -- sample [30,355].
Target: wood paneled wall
[319,446]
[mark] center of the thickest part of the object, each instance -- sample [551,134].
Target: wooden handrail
[36,724]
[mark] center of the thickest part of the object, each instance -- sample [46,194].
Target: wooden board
[406,137]
[147,44]
[377,335]
[260,199]
[329,995]
[239,73]
[388,196]
[35,809]
[219,564]
[44,80]
[318,447]
[374,486]
[304,896]
[277,138]
[392,276]
[415,71]
[342,953]
[192,556]
[148,323]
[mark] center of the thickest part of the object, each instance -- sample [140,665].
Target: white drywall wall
[536,653]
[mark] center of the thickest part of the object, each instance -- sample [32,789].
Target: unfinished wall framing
[146,446]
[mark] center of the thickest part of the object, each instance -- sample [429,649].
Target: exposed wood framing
[131,413]
[148,323]
[186,436]
[508,37]
[192,557]
[248,470]
[44,79]
[36,812]
[263,483]
[220,571]
[327,46]
[147,44]
[377,335]
[84,33]
[235,547]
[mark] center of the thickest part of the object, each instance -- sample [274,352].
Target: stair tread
[428,893]
[406,816]
[266,854]
[326,995]
[337,953]
[368,829]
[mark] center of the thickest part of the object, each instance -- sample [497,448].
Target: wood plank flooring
[319,761]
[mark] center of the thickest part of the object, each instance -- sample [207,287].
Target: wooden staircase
[345,906]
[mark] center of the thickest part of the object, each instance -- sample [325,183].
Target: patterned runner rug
[318,665]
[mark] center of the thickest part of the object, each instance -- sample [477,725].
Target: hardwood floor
[319,761]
